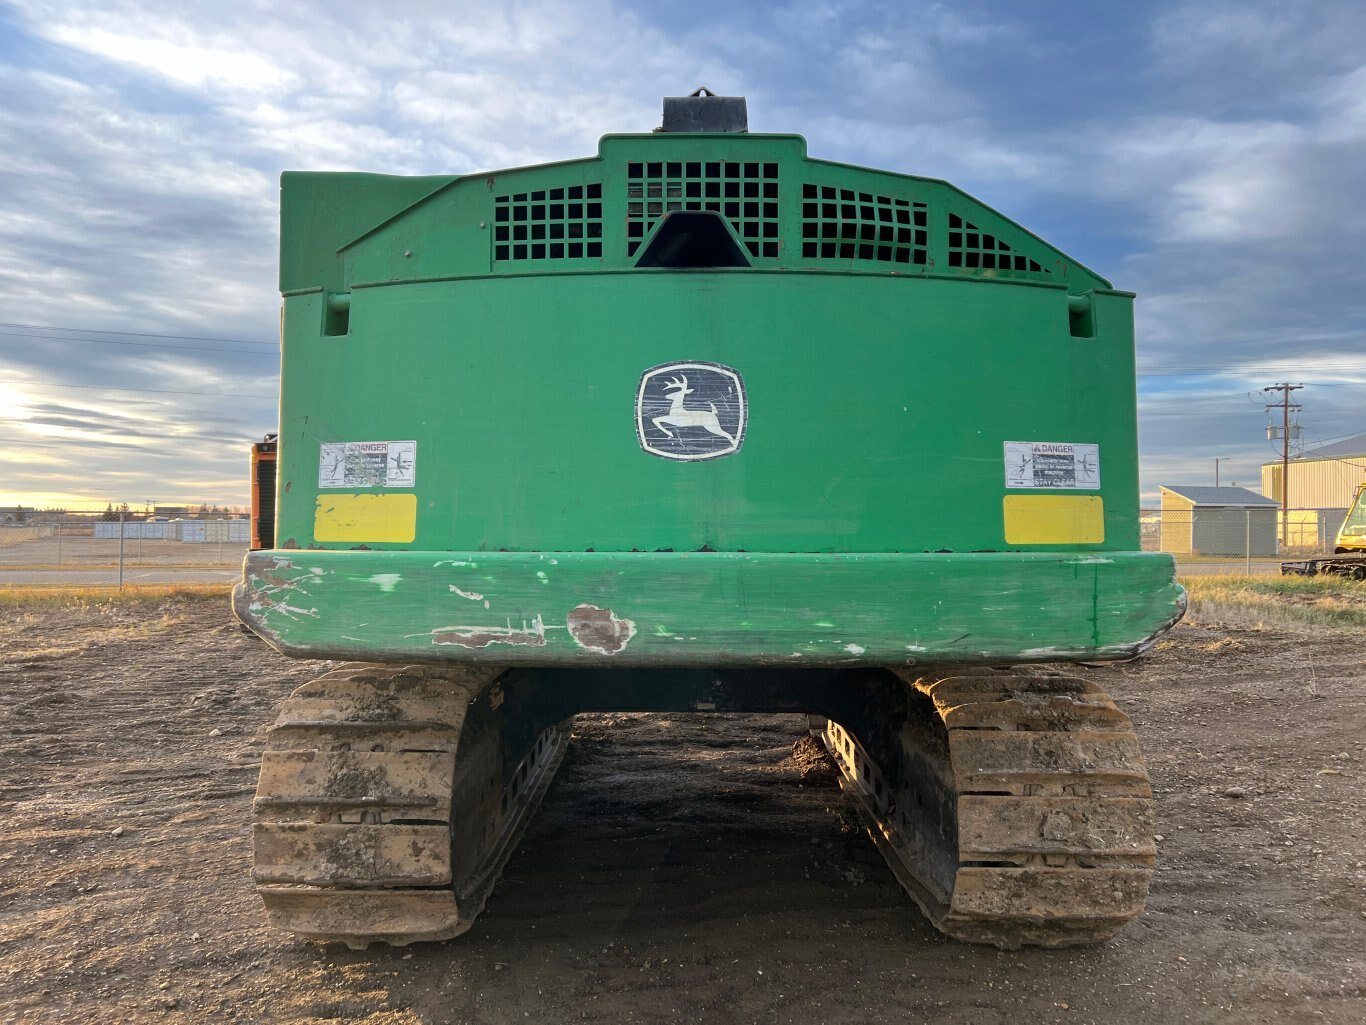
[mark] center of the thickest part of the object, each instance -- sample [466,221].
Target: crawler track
[1015,808]
[368,828]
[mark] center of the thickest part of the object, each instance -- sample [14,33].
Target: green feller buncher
[699,423]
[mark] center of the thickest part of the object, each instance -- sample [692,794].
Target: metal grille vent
[745,194]
[841,224]
[973,248]
[265,499]
[550,224]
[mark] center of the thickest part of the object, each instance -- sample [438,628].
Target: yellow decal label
[1054,520]
[365,518]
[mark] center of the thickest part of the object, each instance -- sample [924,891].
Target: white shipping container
[199,532]
[131,529]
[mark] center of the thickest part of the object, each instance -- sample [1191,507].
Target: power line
[148,345]
[1338,437]
[1225,413]
[141,443]
[1246,370]
[157,391]
[1169,368]
[133,334]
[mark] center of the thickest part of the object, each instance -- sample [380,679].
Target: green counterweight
[699,424]
[463,379]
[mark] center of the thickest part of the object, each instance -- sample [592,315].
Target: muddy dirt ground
[682,869]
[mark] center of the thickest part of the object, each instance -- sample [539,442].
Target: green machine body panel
[697,400]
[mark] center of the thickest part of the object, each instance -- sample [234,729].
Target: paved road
[1238,566]
[87,577]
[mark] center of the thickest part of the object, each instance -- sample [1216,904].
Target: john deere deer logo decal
[691,411]
[681,416]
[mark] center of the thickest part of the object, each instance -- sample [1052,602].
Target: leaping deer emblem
[680,416]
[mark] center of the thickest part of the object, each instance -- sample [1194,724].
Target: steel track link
[1015,808]
[369,828]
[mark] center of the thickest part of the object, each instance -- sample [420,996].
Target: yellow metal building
[1322,483]
[1323,478]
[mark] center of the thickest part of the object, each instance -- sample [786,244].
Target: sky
[1210,156]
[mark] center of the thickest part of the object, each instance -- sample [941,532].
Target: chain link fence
[116,549]
[1228,539]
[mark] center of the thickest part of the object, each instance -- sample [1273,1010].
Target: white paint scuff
[386,581]
[531,634]
[471,595]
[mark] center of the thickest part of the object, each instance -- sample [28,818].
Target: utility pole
[1217,461]
[1285,406]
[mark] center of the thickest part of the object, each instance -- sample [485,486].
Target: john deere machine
[699,423]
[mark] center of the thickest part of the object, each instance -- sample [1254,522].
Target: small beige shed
[1217,521]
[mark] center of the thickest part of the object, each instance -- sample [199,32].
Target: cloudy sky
[1209,155]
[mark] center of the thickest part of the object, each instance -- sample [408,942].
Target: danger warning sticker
[1052,464]
[367,464]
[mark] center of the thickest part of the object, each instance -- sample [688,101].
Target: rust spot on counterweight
[599,630]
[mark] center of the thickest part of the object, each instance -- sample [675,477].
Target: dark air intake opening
[691,239]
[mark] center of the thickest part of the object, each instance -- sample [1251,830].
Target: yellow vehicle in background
[1349,549]
[1352,534]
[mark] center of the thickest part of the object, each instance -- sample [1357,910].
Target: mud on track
[682,869]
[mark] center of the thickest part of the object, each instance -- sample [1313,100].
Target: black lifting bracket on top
[704,111]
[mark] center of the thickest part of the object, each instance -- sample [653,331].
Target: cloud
[1222,182]
[117,210]
[1206,154]
[182,62]
[1227,47]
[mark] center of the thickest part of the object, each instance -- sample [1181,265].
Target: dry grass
[27,616]
[38,597]
[1287,603]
